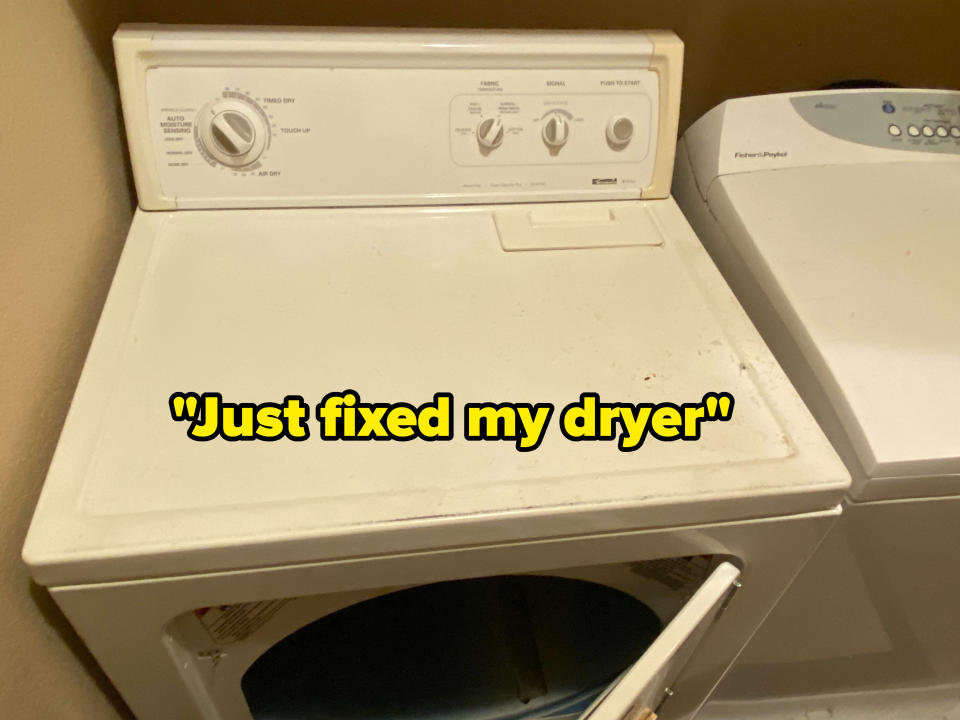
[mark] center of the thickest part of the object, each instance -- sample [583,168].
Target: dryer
[417,223]
[834,217]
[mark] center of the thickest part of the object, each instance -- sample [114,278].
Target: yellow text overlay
[342,415]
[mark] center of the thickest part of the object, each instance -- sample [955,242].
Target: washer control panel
[823,128]
[920,120]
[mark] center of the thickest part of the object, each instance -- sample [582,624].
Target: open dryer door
[642,688]
[508,647]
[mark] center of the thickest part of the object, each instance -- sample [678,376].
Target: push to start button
[619,130]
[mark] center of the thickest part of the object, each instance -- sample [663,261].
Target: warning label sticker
[228,624]
[676,573]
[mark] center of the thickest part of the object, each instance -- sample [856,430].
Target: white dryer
[835,218]
[403,215]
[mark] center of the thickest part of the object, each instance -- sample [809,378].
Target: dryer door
[644,686]
[541,646]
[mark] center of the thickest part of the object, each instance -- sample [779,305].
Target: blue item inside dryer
[501,648]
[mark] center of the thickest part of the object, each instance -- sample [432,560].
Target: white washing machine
[835,218]
[438,219]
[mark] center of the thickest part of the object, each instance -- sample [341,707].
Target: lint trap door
[638,693]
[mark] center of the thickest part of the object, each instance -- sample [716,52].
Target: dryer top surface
[398,305]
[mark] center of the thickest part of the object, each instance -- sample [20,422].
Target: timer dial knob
[490,133]
[232,132]
[556,130]
[619,130]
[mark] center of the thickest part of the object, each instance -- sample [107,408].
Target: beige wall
[65,202]
[734,47]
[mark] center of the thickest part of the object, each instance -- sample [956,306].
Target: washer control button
[942,131]
[913,131]
[895,130]
[927,131]
[955,131]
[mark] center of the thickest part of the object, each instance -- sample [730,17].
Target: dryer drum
[500,648]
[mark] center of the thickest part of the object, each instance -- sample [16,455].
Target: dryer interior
[504,647]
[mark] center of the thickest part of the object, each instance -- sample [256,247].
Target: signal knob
[556,130]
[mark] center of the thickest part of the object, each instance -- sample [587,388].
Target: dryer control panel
[261,118]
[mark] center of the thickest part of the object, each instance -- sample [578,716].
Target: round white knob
[556,130]
[490,133]
[619,130]
[232,132]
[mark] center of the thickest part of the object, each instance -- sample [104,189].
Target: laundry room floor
[938,703]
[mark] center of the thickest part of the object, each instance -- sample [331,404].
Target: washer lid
[862,264]
[397,305]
